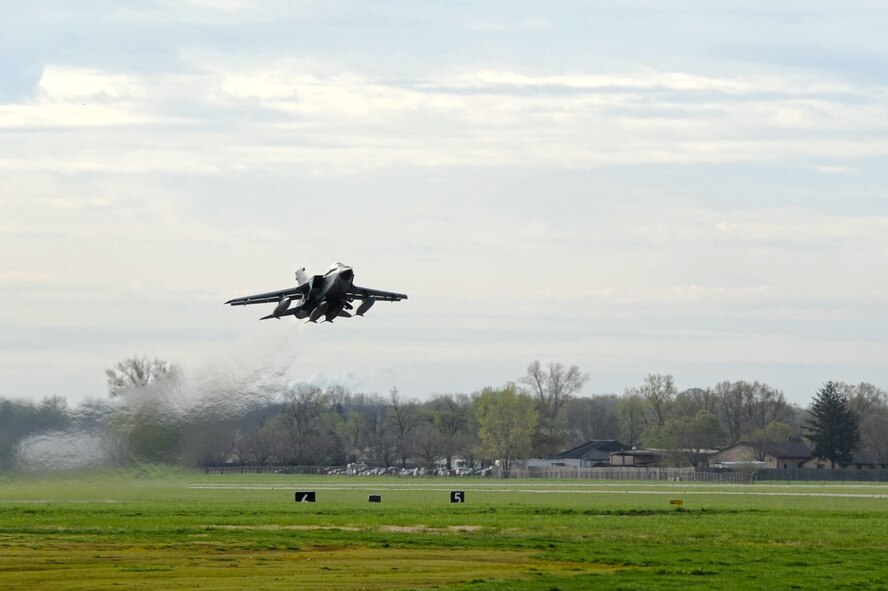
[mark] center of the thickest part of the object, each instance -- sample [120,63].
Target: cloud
[231,6]
[24,276]
[514,26]
[317,115]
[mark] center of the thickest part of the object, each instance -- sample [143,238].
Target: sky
[633,187]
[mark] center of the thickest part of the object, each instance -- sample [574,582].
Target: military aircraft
[329,296]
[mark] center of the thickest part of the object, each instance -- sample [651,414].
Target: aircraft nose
[347,274]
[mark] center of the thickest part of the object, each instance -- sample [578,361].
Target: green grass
[162,529]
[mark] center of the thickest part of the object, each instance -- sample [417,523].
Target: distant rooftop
[597,450]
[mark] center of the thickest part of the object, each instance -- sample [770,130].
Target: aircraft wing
[297,292]
[364,293]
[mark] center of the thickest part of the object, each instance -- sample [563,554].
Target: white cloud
[67,84]
[233,6]
[71,115]
[318,115]
[29,276]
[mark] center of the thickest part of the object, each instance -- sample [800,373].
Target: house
[591,454]
[772,454]
[859,461]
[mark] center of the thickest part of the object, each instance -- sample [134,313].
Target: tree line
[149,416]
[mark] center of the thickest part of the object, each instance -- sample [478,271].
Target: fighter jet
[326,296]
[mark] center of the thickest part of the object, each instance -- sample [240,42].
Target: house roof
[596,450]
[786,449]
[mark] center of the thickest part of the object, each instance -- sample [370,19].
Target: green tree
[688,439]
[452,417]
[507,420]
[631,410]
[832,426]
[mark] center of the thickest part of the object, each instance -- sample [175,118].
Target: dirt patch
[465,528]
[415,529]
[405,529]
[275,527]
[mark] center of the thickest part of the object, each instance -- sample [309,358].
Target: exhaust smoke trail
[187,417]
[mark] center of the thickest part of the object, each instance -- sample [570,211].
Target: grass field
[161,529]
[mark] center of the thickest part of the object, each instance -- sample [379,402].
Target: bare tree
[137,372]
[376,431]
[303,405]
[760,439]
[874,433]
[659,392]
[262,446]
[406,419]
[631,409]
[553,387]
[862,398]
[870,404]
[693,400]
[745,407]
[428,442]
[596,417]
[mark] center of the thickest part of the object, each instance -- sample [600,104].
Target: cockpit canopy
[336,267]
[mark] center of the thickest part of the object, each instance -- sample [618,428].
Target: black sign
[375,498]
[305,497]
[457,496]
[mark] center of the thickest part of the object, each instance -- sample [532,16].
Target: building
[786,454]
[639,458]
[859,461]
[589,455]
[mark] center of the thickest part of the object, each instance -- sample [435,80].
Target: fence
[822,474]
[622,473]
[266,470]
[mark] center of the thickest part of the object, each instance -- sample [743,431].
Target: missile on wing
[318,312]
[281,307]
[365,305]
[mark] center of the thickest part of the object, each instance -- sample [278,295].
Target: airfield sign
[305,497]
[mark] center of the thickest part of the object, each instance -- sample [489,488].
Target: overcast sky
[694,188]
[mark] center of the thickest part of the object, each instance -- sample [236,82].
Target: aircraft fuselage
[330,288]
[326,295]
